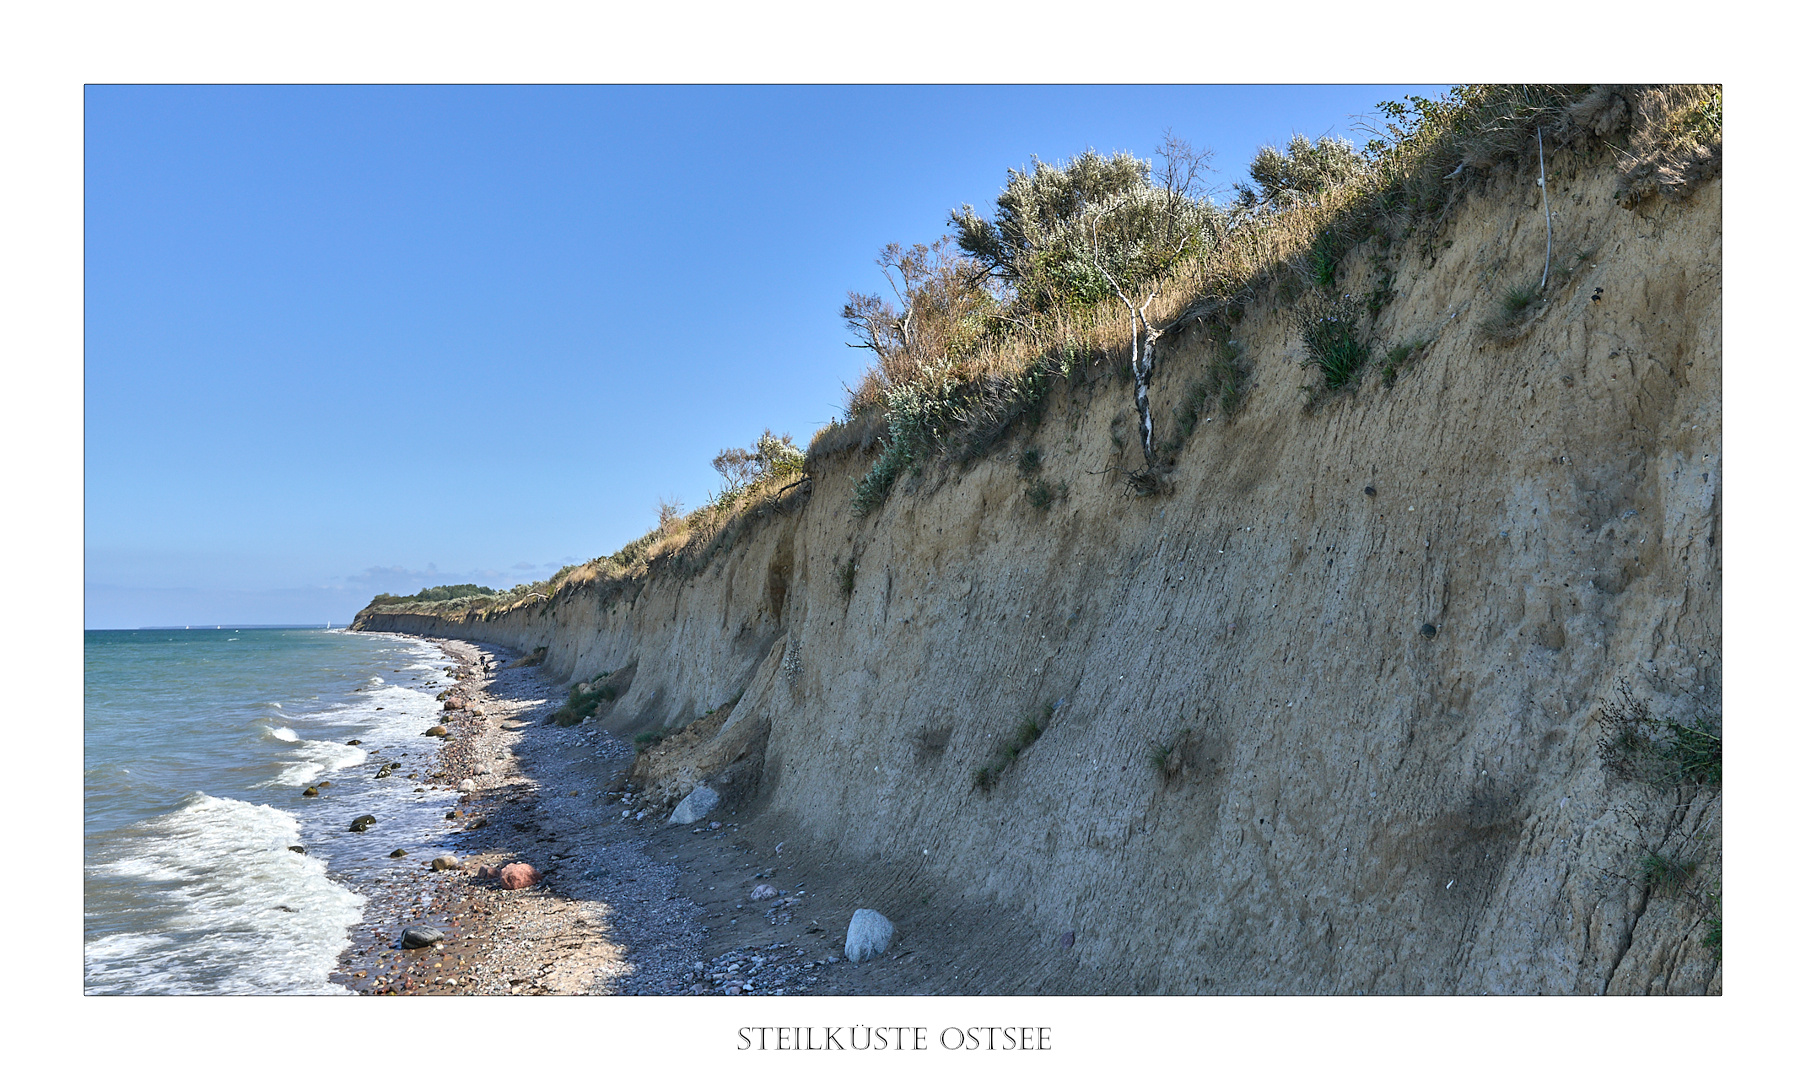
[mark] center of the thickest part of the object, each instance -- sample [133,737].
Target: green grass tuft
[1398,357]
[986,776]
[1661,751]
[1665,875]
[1042,494]
[1332,341]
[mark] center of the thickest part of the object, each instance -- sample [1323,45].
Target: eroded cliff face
[1321,718]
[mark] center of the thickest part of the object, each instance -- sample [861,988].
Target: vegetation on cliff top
[1086,264]
[433,594]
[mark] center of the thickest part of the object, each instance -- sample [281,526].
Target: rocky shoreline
[558,935]
[631,903]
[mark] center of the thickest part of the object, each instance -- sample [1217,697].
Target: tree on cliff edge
[1074,235]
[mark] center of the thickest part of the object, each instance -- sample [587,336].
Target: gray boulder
[696,805]
[419,937]
[867,935]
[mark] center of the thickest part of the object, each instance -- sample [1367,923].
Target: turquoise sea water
[197,746]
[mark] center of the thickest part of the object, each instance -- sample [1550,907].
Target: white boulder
[867,935]
[696,805]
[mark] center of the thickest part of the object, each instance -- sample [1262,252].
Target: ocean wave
[237,911]
[314,759]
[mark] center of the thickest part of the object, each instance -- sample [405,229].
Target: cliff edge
[1379,691]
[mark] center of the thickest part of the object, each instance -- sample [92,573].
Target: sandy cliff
[1320,718]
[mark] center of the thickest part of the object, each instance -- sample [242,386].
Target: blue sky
[343,340]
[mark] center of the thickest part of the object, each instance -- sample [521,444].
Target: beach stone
[297,849]
[311,792]
[696,805]
[436,731]
[467,785]
[518,875]
[446,862]
[397,853]
[354,742]
[868,934]
[362,822]
[764,892]
[419,937]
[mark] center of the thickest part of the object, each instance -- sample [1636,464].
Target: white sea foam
[242,914]
[286,734]
[313,759]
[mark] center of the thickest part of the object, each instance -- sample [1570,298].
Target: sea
[206,869]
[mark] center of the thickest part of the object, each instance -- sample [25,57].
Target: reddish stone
[518,875]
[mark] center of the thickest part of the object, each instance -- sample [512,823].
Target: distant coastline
[222,626]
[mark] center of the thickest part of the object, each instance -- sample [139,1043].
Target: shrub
[1059,229]
[1300,173]
[771,458]
[944,316]
[646,740]
[581,704]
